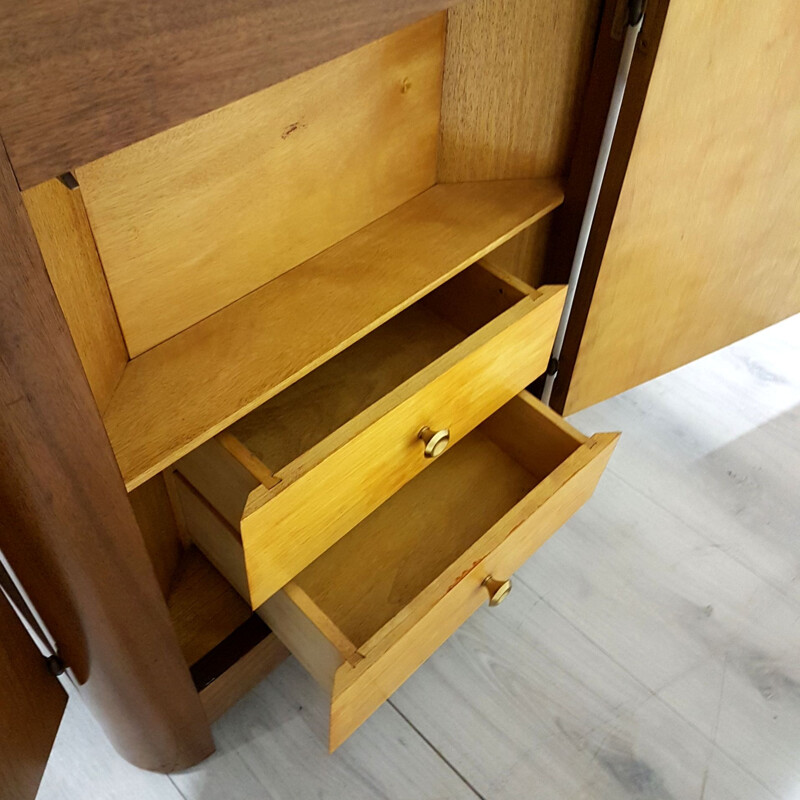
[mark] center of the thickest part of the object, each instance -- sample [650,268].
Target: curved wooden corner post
[67,528]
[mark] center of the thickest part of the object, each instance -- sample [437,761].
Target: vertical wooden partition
[515,79]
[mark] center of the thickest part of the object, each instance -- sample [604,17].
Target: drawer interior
[376,571]
[303,415]
[365,614]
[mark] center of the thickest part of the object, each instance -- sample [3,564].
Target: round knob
[498,590]
[435,441]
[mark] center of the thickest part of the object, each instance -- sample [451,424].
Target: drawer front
[304,515]
[360,678]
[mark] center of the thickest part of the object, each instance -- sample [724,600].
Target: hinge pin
[55,666]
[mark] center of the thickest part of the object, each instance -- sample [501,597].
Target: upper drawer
[303,469]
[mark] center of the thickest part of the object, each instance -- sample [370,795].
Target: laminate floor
[650,650]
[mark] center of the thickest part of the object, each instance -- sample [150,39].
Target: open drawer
[370,610]
[300,471]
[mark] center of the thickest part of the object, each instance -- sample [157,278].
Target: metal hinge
[8,586]
[627,13]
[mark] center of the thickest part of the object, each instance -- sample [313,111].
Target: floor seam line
[436,750]
[177,788]
[657,695]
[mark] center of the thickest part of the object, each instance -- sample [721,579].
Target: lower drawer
[364,615]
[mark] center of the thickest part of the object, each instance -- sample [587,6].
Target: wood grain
[31,706]
[65,239]
[302,416]
[241,356]
[705,244]
[513,85]
[221,478]
[210,532]
[308,633]
[192,219]
[526,254]
[397,597]
[534,434]
[293,422]
[515,74]
[203,607]
[153,511]
[83,80]
[369,577]
[67,528]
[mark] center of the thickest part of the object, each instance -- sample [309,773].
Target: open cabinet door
[696,242]
[32,703]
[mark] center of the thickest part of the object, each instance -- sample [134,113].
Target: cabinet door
[31,706]
[704,241]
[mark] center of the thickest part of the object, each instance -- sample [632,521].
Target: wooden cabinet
[263,262]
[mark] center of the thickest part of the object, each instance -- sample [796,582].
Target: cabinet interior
[230,262]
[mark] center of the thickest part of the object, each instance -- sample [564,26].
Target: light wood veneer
[194,218]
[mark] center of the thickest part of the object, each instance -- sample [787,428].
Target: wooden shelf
[177,395]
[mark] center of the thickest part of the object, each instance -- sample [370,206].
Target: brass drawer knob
[498,590]
[435,441]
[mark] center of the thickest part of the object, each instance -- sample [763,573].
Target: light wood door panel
[704,248]
[32,703]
